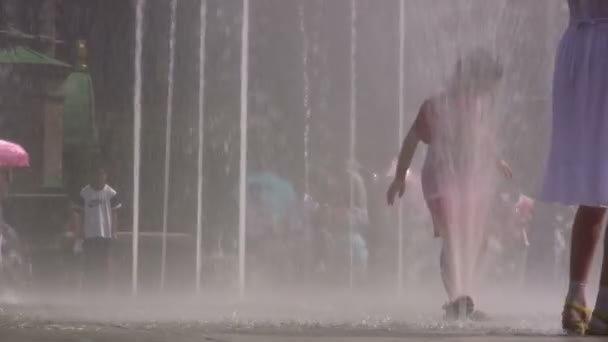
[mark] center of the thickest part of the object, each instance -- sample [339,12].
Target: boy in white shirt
[98,205]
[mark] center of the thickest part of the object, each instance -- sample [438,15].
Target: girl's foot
[459,309]
[479,316]
[575,318]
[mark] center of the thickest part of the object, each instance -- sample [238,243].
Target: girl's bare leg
[446,266]
[441,229]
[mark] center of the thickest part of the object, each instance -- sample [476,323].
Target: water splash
[139,19]
[432,64]
[437,52]
[468,183]
[168,131]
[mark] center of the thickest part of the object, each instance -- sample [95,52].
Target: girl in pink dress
[455,177]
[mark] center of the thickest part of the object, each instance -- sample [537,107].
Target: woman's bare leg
[586,232]
[599,321]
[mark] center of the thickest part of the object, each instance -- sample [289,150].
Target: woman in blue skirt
[577,168]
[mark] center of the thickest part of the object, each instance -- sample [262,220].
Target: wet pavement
[156,335]
[274,319]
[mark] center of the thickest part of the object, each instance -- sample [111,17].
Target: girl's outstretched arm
[504,168]
[418,132]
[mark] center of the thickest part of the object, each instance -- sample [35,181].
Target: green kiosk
[50,111]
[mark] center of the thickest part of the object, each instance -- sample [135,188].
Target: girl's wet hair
[478,69]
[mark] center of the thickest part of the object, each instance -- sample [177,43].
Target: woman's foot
[598,326]
[575,318]
[459,309]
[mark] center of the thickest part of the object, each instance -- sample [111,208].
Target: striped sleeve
[115,202]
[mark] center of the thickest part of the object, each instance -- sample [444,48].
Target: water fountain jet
[168,131]
[306,98]
[139,19]
[243,149]
[400,136]
[353,134]
[201,136]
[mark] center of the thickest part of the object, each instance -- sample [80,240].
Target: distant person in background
[5,181]
[347,241]
[11,246]
[71,248]
[508,244]
[98,204]
[448,123]
[358,217]
[524,212]
[577,168]
[384,228]
[379,237]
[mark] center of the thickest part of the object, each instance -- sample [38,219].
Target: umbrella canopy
[271,193]
[13,155]
[24,55]
[272,198]
[277,193]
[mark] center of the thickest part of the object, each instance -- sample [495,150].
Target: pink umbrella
[13,155]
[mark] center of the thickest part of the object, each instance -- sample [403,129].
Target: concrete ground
[276,319]
[120,335]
